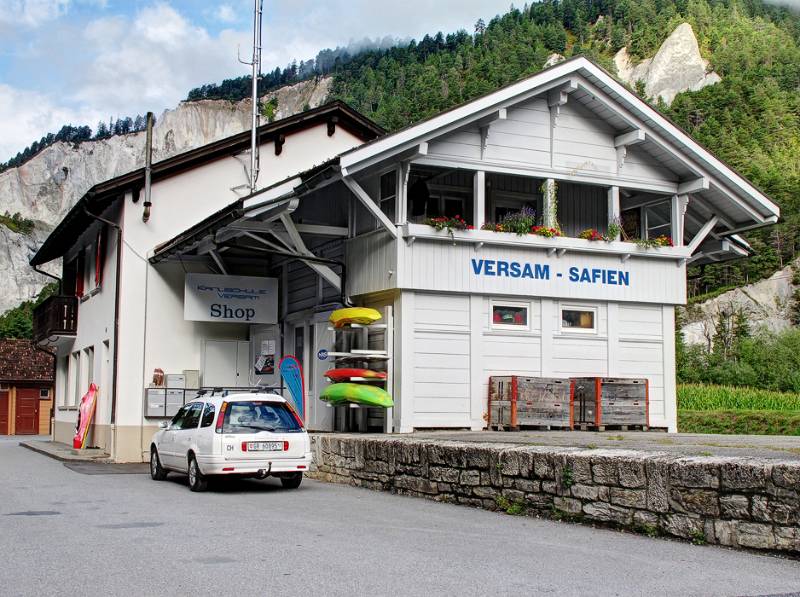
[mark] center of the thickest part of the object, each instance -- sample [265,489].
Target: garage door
[26,417]
[3,412]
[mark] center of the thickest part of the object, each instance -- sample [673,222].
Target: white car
[245,435]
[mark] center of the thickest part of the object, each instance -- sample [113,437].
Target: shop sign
[540,271]
[243,299]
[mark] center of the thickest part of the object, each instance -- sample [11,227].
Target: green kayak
[340,393]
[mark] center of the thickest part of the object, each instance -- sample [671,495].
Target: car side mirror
[163,424]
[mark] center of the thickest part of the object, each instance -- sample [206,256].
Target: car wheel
[197,482]
[292,481]
[157,472]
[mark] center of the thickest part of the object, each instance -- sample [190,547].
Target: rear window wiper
[255,427]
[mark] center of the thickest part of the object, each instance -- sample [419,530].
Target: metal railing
[56,316]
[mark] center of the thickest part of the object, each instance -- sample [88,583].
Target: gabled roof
[103,194]
[21,361]
[626,110]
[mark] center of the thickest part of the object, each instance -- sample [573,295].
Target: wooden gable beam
[702,234]
[373,208]
[694,186]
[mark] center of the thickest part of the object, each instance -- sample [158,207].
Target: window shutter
[79,273]
[100,257]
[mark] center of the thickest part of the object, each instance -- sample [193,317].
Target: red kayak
[337,375]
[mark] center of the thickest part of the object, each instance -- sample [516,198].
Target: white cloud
[152,62]
[31,13]
[226,14]
[27,116]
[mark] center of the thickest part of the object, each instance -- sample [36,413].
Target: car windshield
[255,416]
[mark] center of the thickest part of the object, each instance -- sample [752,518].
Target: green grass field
[730,410]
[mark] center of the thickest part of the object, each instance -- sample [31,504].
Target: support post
[613,207]
[403,171]
[678,211]
[479,199]
[548,216]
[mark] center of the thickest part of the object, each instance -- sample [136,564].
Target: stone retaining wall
[727,501]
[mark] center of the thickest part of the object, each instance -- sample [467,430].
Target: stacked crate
[601,402]
[516,401]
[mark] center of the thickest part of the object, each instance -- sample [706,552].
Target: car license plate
[264,446]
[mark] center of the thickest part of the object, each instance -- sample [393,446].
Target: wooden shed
[26,388]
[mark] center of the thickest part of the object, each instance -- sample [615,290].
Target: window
[388,194]
[177,420]
[188,416]
[255,416]
[44,393]
[208,416]
[512,316]
[76,379]
[579,319]
[658,219]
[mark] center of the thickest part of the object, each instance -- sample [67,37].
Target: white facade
[569,144]
[152,330]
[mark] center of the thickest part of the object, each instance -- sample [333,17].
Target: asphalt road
[64,532]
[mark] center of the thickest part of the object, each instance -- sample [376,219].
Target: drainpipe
[118,228]
[148,162]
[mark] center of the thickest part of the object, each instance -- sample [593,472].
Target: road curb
[55,455]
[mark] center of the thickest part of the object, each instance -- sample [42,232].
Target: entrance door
[227,364]
[320,415]
[26,418]
[4,412]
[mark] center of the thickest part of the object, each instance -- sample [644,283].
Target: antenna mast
[256,63]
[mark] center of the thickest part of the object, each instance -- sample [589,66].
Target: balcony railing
[56,317]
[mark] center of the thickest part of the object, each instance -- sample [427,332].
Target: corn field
[711,397]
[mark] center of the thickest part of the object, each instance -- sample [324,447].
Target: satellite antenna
[256,64]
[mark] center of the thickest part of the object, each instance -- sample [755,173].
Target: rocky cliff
[676,67]
[47,186]
[766,304]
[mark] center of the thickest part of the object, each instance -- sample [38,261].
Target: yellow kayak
[362,315]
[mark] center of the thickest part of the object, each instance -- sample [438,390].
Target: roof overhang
[103,194]
[580,72]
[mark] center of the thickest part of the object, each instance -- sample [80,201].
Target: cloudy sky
[80,61]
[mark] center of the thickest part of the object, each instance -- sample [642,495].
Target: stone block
[784,513]
[446,474]
[415,484]
[787,476]
[565,504]
[760,508]
[581,468]
[484,492]
[734,506]
[539,501]
[743,475]
[699,473]
[755,535]
[696,501]
[657,471]
[682,525]
[471,478]
[632,473]
[525,458]
[477,457]
[585,492]
[469,501]
[645,518]
[513,495]
[543,467]
[787,538]
[725,532]
[509,462]
[527,485]
[607,513]
[604,471]
[550,487]
[630,498]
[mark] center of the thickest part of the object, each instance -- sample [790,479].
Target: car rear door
[281,438]
[166,445]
